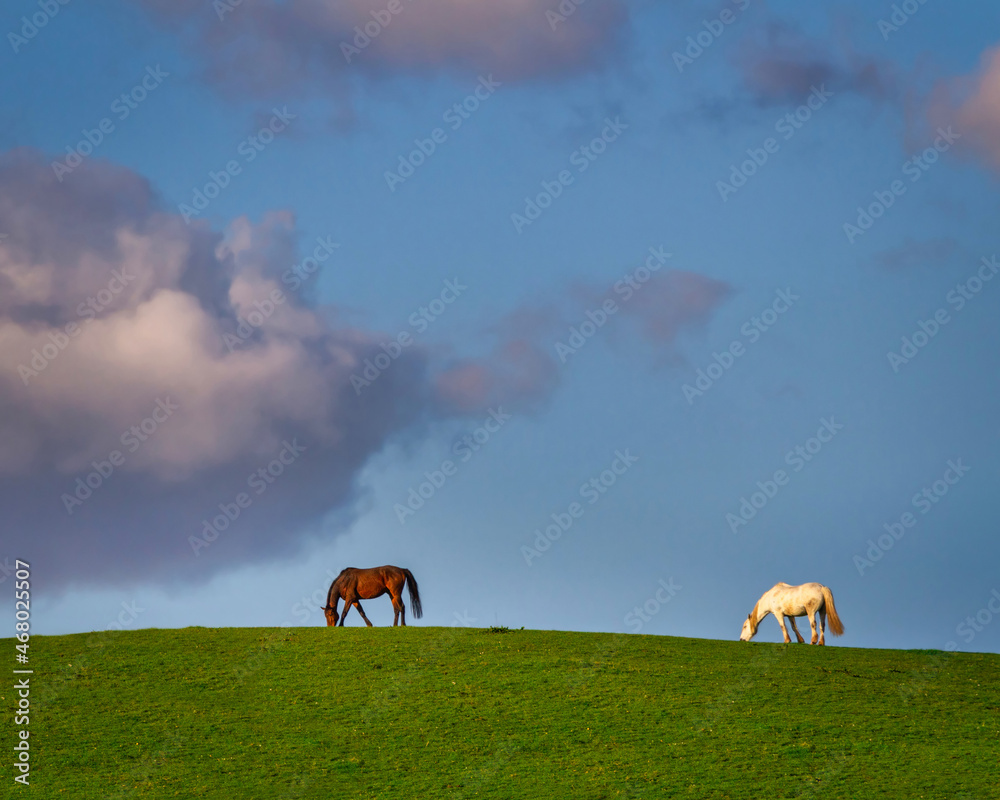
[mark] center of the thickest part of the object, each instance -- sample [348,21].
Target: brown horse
[354,584]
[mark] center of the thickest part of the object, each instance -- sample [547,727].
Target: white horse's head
[749,631]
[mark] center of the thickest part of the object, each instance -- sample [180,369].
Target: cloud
[672,301]
[114,312]
[781,66]
[971,105]
[913,253]
[520,368]
[156,377]
[777,65]
[535,343]
[265,47]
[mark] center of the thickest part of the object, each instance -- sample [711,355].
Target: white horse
[795,601]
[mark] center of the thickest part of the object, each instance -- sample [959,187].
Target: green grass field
[461,713]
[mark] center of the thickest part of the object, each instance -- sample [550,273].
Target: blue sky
[670,137]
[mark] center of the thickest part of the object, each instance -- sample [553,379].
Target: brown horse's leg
[398,609]
[361,611]
[347,607]
[796,629]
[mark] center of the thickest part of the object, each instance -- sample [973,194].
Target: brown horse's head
[331,616]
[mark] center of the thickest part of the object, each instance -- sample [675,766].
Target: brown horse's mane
[335,586]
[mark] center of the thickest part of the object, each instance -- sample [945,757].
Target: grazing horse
[795,601]
[354,584]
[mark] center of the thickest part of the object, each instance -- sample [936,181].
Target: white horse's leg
[795,628]
[822,626]
[781,621]
[812,626]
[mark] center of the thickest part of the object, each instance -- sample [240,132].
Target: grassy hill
[462,713]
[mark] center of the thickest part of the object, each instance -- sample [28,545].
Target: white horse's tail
[836,626]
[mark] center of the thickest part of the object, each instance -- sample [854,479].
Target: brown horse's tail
[418,612]
[836,626]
